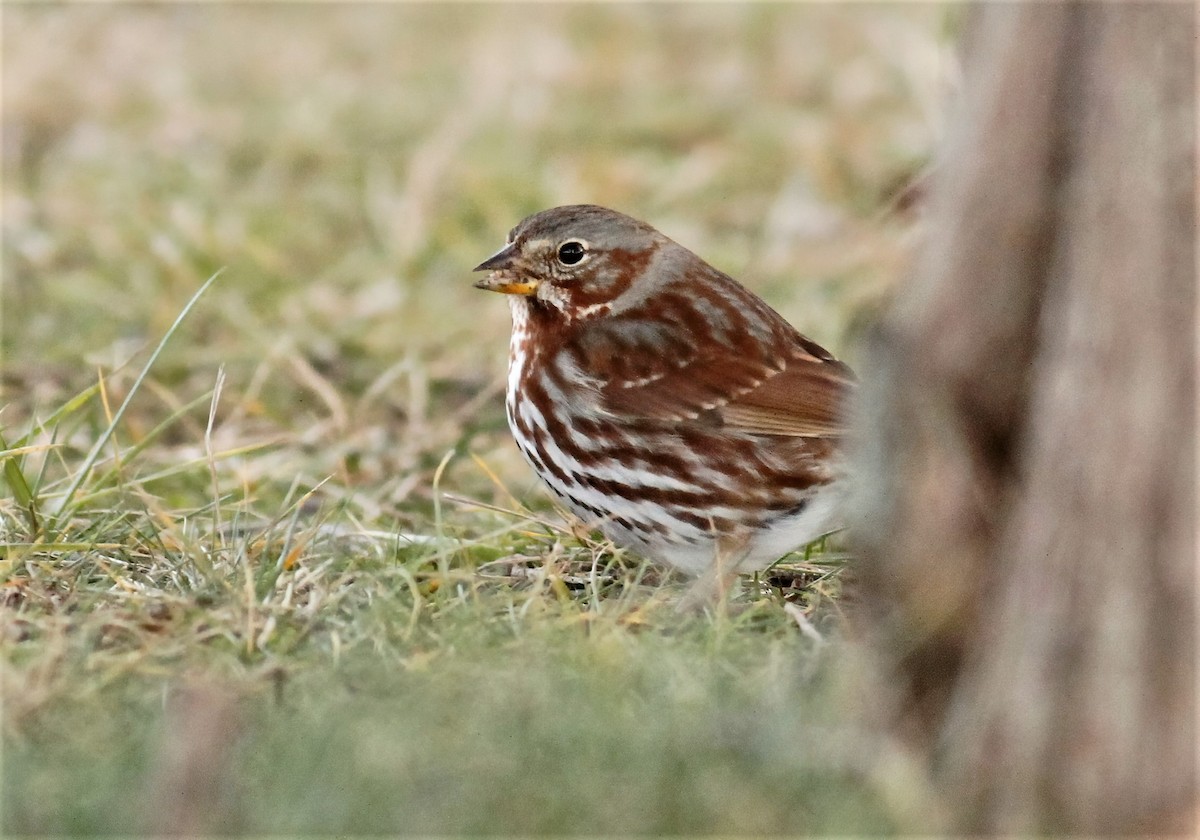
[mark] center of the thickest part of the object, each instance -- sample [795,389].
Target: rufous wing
[805,399]
[802,396]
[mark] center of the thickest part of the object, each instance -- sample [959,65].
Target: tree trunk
[1027,519]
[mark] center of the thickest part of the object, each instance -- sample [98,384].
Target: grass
[289,575]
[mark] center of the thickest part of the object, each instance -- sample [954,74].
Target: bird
[661,401]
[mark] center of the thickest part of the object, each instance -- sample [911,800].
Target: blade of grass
[55,548]
[65,505]
[65,410]
[15,477]
[208,449]
[22,451]
[131,453]
[180,468]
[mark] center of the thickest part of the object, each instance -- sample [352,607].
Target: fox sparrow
[663,402]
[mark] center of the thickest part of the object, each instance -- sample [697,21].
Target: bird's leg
[715,584]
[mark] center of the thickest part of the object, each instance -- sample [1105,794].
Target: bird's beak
[504,258]
[502,280]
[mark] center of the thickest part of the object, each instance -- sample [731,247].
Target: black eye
[571,252]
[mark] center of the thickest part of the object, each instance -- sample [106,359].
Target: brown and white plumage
[661,400]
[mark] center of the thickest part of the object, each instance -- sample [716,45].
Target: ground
[296,577]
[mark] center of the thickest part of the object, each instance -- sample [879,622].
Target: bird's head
[576,260]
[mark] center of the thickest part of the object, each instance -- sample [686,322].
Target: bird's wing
[805,399]
[650,370]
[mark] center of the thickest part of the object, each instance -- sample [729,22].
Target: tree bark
[1027,515]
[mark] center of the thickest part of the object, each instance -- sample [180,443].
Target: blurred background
[348,166]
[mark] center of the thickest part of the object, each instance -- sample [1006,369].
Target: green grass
[295,577]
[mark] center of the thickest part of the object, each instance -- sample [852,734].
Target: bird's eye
[571,252]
